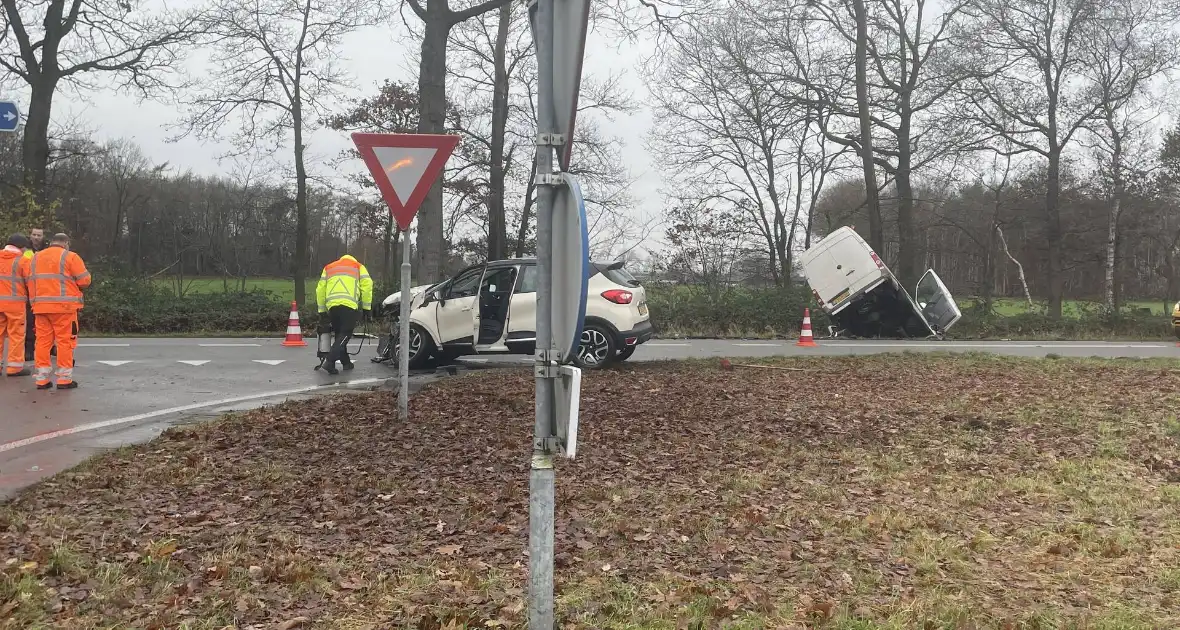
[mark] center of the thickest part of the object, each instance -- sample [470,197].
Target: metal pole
[403,348]
[541,477]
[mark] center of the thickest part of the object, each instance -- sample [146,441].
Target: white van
[863,298]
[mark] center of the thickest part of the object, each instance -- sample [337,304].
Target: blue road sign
[9,116]
[571,268]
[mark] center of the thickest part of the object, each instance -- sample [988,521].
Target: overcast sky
[373,54]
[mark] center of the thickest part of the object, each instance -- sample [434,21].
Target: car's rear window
[620,276]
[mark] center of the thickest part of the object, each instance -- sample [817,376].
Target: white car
[492,309]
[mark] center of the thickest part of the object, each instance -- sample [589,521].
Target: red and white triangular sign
[405,166]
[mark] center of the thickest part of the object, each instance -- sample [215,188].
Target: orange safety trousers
[12,326]
[61,328]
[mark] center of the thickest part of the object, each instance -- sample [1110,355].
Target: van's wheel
[597,348]
[421,347]
[626,353]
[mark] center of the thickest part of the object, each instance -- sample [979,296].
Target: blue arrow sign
[9,116]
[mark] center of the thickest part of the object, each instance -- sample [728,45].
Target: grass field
[860,493]
[1071,308]
[282,288]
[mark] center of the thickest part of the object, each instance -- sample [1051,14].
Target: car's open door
[937,305]
[493,308]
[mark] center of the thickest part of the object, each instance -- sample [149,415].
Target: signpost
[9,116]
[404,166]
[559,32]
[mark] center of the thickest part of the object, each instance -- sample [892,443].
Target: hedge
[127,306]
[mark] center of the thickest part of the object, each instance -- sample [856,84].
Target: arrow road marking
[113,363]
[269,361]
[194,362]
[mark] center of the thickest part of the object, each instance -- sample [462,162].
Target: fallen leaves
[845,486]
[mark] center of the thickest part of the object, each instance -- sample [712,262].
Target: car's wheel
[421,347]
[597,349]
[626,353]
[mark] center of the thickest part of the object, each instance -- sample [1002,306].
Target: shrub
[122,304]
[690,311]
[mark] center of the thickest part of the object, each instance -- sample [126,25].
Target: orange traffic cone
[805,338]
[294,332]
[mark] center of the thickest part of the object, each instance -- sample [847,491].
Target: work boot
[24,372]
[348,366]
[331,369]
[70,385]
[44,385]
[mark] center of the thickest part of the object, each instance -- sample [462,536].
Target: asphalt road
[131,389]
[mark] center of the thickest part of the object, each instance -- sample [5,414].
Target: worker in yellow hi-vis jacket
[345,290]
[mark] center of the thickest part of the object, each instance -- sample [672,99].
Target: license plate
[843,296]
[643,309]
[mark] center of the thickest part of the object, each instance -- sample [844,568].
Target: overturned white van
[863,298]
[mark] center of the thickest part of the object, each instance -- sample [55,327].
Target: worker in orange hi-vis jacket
[14,277]
[56,279]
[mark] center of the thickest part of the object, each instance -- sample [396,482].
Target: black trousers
[30,333]
[344,321]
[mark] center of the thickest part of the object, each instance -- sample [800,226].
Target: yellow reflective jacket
[344,282]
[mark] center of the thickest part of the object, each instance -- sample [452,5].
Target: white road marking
[198,363]
[104,345]
[269,361]
[228,345]
[113,363]
[952,344]
[759,345]
[163,412]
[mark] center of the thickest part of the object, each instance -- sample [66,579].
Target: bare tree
[1031,87]
[279,75]
[1132,44]
[736,141]
[901,48]
[49,43]
[438,18]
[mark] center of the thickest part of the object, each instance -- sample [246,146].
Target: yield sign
[405,166]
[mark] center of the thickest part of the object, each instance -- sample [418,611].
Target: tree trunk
[1116,207]
[35,147]
[1112,229]
[1053,234]
[299,265]
[395,279]
[432,110]
[876,230]
[1019,267]
[387,272]
[907,245]
[522,233]
[497,222]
